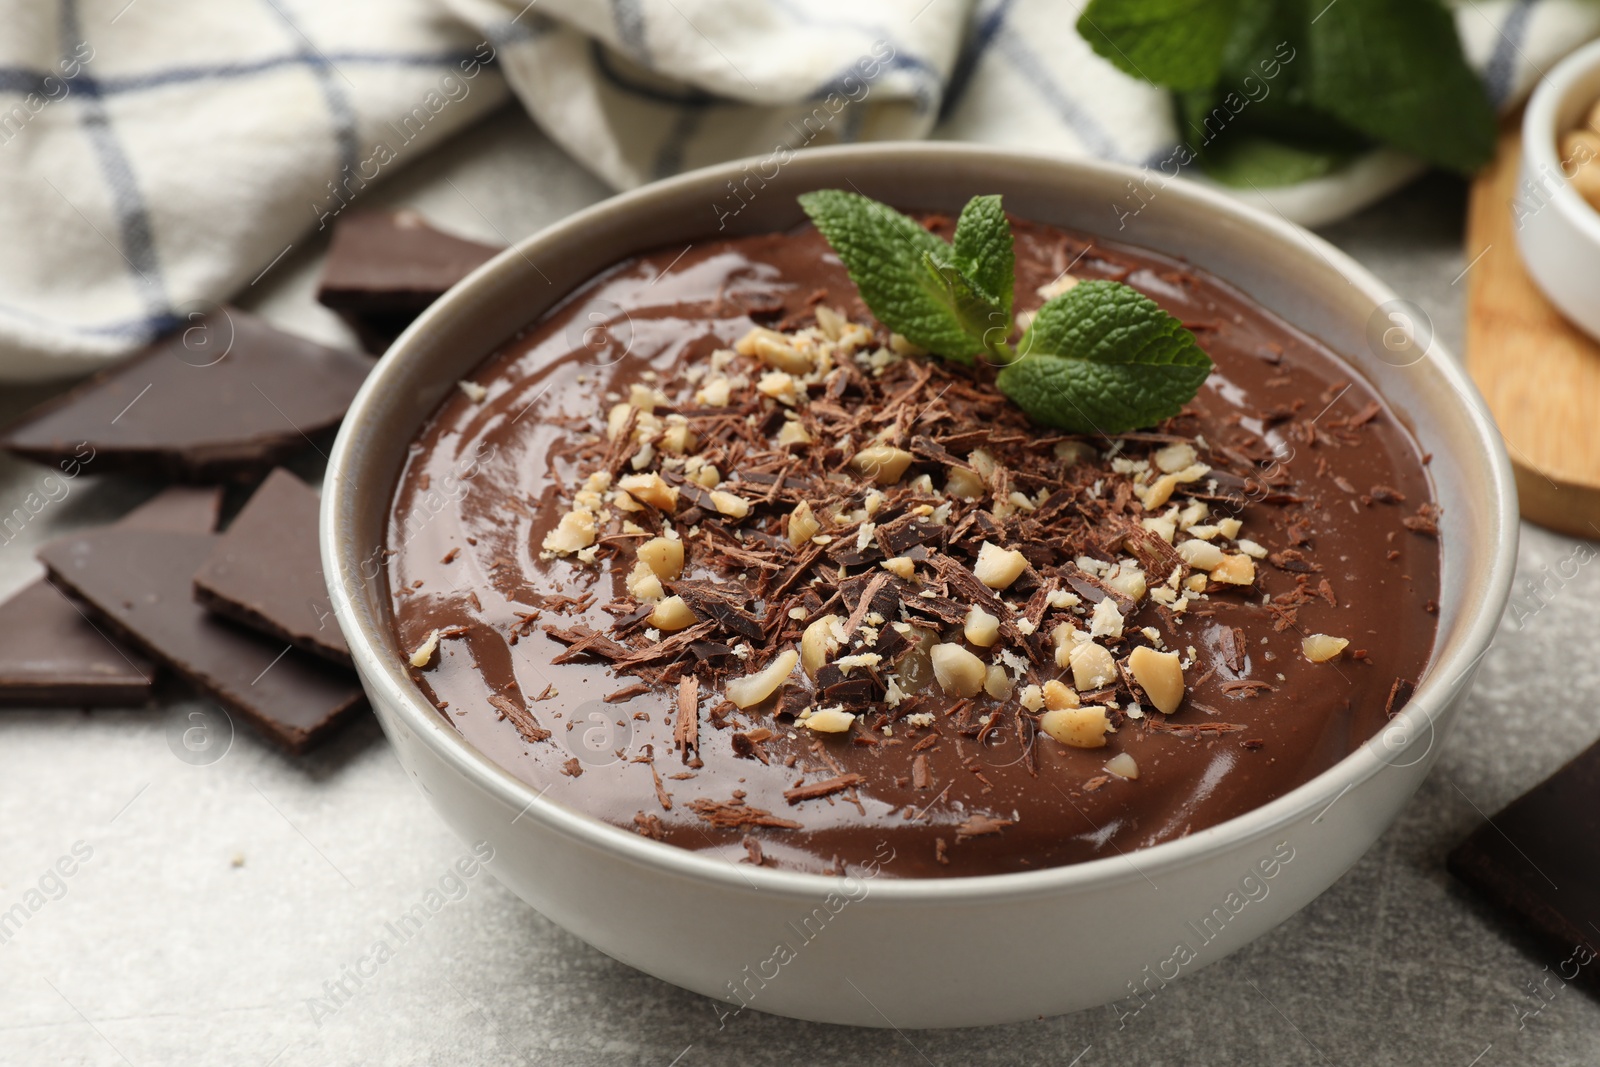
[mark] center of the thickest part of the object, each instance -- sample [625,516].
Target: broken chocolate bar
[384,269]
[140,583]
[225,399]
[1539,860]
[53,655]
[266,572]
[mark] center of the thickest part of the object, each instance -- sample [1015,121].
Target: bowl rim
[1436,690]
[1539,136]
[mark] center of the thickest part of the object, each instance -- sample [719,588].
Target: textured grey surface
[220,899]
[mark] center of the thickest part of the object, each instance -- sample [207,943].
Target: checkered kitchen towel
[157,155]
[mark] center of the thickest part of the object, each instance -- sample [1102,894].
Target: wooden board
[1539,374]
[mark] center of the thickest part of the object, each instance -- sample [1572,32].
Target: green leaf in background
[1176,43]
[1248,162]
[883,251]
[1104,358]
[1394,69]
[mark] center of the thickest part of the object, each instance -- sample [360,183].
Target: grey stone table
[219,904]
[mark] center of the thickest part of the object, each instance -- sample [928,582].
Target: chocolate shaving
[686,730]
[981,825]
[826,787]
[520,717]
[731,814]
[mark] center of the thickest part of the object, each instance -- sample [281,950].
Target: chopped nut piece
[884,464]
[754,688]
[576,530]
[803,524]
[1229,527]
[1070,452]
[1052,289]
[1065,638]
[793,432]
[998,567]
[964,484]
[1032,697]
[677,438]
[1319,648]
[650,489]
[1201,555]
[1058,695]
[1092,666]
[997,683]
[829,721]
[1123,766]
[715,393]
[473,390]
[830,322]
[663,555]
[643,583]
[1077,727]
[1127,580]
[773,349]
[424,652]
[820,640]
[1252,549]
[730,504]
[1175,457]
[1235,570]
[778,385]
[672,614]
[981,628]
[902,566]
[1196,583]
[1160,675]
[1106,620]
[958,671]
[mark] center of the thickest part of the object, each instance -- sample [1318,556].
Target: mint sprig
[1272,91]
[1100,358]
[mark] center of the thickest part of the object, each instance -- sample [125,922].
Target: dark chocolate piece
[52,654]
[140,582]
[1539,859]
[266,571]
[225,399]
[383,270]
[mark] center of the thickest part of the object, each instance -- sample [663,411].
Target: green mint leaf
[883,250]
[1176,43]
[984,253]
[979,314]
[1394,70]
[1104,358]
[1261,162]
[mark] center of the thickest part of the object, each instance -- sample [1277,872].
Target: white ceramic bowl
[1558,232]
[937,952]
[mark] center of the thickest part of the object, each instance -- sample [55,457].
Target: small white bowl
[943,951]
[1558,232]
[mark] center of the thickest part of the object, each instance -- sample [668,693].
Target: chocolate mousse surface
[548,660]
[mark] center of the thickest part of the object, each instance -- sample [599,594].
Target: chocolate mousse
[706,553]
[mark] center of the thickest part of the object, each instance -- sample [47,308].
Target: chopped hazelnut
[1031,697]
[1058,695]
[1252,549]
[671,614]
[1201,555]
[958,671]
[677,438]
[997,683]
[663,555]
[715,393]
[1160,675]
[884,464]
[643,583]
[964,484]
[1123,766]
[576,530]
[829,721]
[1174,457]
[424,652]
[1235,570]
[773,349]
[778,385]
[830,322]
[473,390]
[819,641]
[650,489]
[754,688]
[1077,727]
[1196,583]
[901,566]
[730,504]
[981,628]
[998,567]
[1092,666]
[1320,648]
[793,432]
[1127,580]
[803,524]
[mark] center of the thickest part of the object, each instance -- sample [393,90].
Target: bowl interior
[1294,274]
